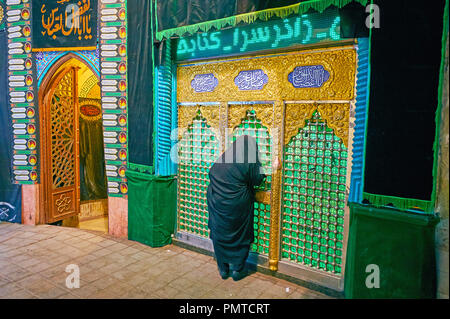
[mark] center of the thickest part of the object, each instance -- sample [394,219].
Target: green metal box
[399,244]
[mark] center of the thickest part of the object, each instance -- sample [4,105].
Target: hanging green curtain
[92,164]
[176,18]
[177,13]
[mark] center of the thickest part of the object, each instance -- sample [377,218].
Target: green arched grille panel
[198,150]
[313,202]
[252,126]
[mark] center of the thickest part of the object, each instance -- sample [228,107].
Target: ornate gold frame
[333,100]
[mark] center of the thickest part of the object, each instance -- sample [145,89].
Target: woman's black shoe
[238,275]
[224,270]
[224,274]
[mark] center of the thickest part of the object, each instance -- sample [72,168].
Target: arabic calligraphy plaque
[64,24]
[251,80]
[204,83]
[309,76]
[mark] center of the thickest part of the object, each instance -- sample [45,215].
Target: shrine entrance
[73,167]
[298,106]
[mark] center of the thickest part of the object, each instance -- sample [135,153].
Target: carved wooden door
[62,147]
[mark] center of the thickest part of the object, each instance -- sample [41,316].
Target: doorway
[74,186]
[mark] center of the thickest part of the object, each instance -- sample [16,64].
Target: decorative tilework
[113,70]
[44,60]
[21,92]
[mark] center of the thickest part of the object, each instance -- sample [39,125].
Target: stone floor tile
[33,260]
[167,292]
[4,280]
[104,282]
[91,276]
[21,294]
[85,290]
[8,289]
[137,279]
[16,274]
[123,274]
[68,296]
[133,294]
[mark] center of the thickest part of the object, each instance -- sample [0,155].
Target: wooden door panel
[62,147]
[63,203]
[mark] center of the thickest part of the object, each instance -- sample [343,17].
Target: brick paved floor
[33,260]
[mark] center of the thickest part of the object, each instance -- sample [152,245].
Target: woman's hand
[263,197]
[276,165]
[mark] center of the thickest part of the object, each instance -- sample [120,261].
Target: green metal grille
[198,150]
[252,126]
[314,191]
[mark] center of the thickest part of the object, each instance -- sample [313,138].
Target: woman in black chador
[231,197]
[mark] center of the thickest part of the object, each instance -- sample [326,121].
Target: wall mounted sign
[90,110]
[308,76]
[204,83]
[251,80]
[273,34]
[64,25]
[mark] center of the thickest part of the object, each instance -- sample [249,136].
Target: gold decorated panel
[337,116]
[341,66]
[339,63]
[226,89]
[264,112]
[186,114]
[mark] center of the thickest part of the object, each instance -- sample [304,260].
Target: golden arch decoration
[264,112]
[337,116]
[186,114]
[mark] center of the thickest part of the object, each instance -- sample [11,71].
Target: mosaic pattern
[21,91]
[44,60]
[252,126]
[198,150]
[314,197]
[204,83]
[310,76]
[113,64]
[251,80]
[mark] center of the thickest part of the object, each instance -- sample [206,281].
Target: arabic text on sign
[74,19]
[204,83]
[251,80]
[308,76]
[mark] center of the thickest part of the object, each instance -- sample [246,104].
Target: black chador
[231,196]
